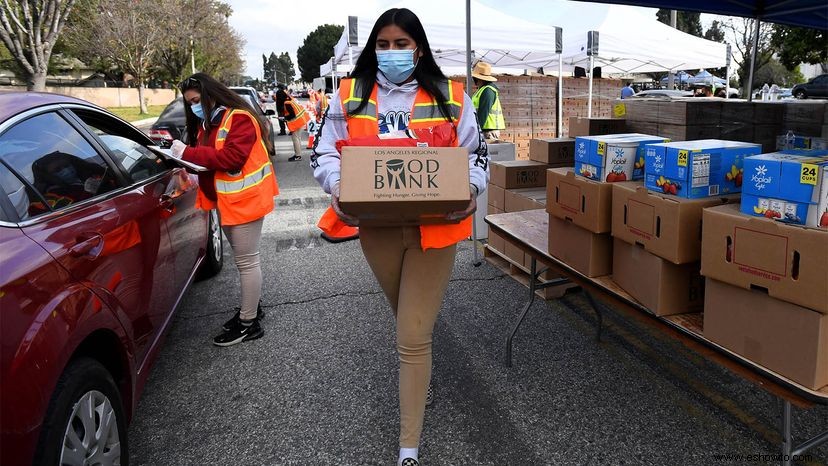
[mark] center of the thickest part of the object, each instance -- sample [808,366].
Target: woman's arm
[325,158]
[468,133]
[237,147]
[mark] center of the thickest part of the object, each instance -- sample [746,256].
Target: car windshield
[175,110]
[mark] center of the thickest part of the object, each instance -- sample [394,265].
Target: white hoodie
[395,102]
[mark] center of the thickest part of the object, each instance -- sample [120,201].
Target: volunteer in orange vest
[240,182]
[321,105]
[396,84]
[296,118]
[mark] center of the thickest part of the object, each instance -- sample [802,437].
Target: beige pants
[414,283]
[491,134]
[297,144]
[244,240]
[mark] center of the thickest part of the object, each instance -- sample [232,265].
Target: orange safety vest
[301,116]
[245,195]
[424,114]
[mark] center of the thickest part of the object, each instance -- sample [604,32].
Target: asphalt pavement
[320,387]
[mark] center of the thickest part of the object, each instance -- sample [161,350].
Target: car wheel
[85,421]
[214,259]
[800,94]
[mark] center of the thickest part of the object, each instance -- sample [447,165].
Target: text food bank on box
[385,186]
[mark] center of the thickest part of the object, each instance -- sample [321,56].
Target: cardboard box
[558,152]
[660,285]
[667,226]
[500,151]
[612,157]
[587,252]
[799,141]
[514,253]
[584,202]
[496,242]
[694,111]
[786,185]
[405,185]
[689,132]
[788,339]
[580,126]
[517,174]
[496,196]
[520,199]
[695,169]
[789,261]
[805,111]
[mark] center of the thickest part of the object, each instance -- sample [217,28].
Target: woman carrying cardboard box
[397,85]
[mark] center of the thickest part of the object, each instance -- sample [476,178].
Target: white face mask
[396,65]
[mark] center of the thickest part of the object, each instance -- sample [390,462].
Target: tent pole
[589,101]
[753,58]
[560,96]
[475,259]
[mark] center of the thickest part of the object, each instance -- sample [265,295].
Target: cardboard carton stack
[766,295]
[657,247]
[519,185]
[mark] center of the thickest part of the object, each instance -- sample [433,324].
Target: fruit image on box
[695,169]
[787,185]
[612,157]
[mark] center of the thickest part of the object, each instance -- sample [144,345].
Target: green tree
[269,67]
[799,45]
[774,72]
[686,21]
[29,30]
[741,29]
[284,68]
[715,32]
[317,49]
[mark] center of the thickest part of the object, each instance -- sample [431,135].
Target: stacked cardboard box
[517,186]
[657,247]
[579,221]
[766,296]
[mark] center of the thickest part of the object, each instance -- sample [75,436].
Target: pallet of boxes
[519,185]
[711,234]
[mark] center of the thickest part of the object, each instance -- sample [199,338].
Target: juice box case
[612,157]
[789,185]
[696,169]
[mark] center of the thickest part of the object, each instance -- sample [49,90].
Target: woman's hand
[461,214]
[177,149]
[352,221]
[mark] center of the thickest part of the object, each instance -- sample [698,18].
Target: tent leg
[753,58]
[589,101]
[559,134]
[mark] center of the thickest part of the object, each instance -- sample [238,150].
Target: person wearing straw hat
[487,101]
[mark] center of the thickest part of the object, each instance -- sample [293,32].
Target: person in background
[281,97]
[240,182]
[296,118]
[321,105]
[487,102]
[397,85]
[627,91]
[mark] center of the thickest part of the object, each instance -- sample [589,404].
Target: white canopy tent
[626,39]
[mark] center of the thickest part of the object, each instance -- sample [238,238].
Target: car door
[819,87]
[175,192]
[105,231]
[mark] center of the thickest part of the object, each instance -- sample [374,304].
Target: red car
[99,240]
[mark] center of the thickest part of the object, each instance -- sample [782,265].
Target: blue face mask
[396,65]
[198,110]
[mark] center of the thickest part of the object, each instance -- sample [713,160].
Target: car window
[138,161]
[18,194]
[59,165]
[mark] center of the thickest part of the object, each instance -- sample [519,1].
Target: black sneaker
[410,462]
[239,333]
[429,395]
[235,319]
[295,158]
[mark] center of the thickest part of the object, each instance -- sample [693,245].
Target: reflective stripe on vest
[249,181]
[353,97]
[429,112]
[494,119]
